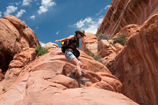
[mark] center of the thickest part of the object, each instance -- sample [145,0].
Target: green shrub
[122,39]
[90,54]
[41,50]
[100,36]
[97,57]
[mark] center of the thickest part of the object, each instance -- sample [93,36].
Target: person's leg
[78,65]
[70,56]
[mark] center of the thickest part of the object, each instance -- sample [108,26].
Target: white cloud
[42,9]
[0,13]
[103,10]
[88,24]
[26,2]
[107,7]
[57,32]
[92,27]
[32,17]
[19,14]
[81,23]
[42,44]
[45,4]
[17,3]
[10,9]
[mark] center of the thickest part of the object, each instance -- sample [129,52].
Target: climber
[72,45]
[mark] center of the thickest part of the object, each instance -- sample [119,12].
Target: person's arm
[71,37]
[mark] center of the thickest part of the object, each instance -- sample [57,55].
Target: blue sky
[57,19]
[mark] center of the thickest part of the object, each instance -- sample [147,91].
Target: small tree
[41,50]
[122,39]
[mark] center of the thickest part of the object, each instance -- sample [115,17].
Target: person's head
[80,33]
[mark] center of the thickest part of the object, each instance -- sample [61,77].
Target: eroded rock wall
[124,12]
[136,65]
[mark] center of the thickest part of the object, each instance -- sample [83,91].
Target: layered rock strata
[136,65]
[124,12]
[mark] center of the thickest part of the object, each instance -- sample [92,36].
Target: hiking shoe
[84,79]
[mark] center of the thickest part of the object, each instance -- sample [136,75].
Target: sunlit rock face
[51,75]
[89,43]
[124,12]
[136,66]
[51,45]
[15,36]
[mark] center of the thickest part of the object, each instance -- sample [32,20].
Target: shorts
[69,55]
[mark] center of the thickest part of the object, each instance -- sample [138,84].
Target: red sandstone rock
[23,58]
[45,77]
[129,30]
[19,61]
[1,75]
[136,66]
[104,48]
[51,45]
[124,12]
[15,36]
[78,96]
[89,43]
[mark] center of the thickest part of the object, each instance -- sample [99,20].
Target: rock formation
[89,43]
[107,49]
[124,12]
[51,75]
[51,45]
[136,65]
[15,36]
[1,75]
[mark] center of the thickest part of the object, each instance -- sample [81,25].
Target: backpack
[64,45]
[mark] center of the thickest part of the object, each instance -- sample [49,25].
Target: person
[71,46]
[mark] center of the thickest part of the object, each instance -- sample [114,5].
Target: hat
[80,31]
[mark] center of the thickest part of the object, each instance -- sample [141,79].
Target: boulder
[50,45]
[19,61]
[89,43]
[23,58]
[15,37]
[107,49]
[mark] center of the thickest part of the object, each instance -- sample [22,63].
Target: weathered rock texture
[136,65]
[107,49]
[89,43]
[51,45]
[15,36]
[16,65]
[23,58]
[48,76]
[124,12]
